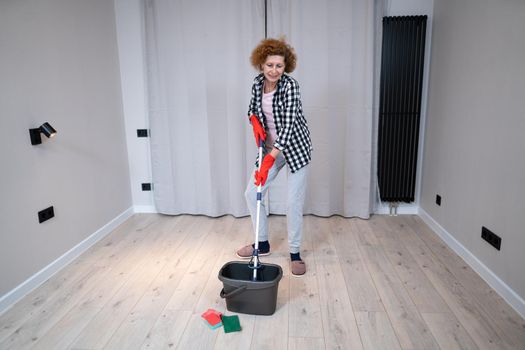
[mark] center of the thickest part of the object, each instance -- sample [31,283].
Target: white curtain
[335,46]
[199,81]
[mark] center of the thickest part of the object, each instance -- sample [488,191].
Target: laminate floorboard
[383,283]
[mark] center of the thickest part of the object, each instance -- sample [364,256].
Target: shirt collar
[260,79]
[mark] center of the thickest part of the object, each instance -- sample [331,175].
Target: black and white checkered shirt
[293,136]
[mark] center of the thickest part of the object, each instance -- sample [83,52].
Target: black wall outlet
[146,187]
[438,199]
[489,236]
[142,132]
[46,214]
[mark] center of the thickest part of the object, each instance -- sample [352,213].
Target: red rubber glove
[258,130]
[262,174]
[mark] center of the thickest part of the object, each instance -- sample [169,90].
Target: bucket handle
[233,293]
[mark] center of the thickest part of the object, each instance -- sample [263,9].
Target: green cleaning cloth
[231,323]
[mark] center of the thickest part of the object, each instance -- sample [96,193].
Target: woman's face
[273,68]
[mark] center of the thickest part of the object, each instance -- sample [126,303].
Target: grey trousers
[295,202]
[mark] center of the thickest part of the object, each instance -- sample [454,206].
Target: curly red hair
[270,47]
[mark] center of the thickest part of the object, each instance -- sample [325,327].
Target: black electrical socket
[438,199]
[146,187]
[489,236]
[45,214]
[142,132]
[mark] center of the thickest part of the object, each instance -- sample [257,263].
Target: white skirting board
[490,277]
[402,209]
[9,299]
[145,209]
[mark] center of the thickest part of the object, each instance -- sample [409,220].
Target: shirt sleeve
[251,107]
[292,98]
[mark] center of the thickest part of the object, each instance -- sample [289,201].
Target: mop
[254,261]
[251,288]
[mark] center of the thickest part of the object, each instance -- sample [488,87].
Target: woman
[276,116]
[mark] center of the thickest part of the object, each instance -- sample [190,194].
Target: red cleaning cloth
[212,316]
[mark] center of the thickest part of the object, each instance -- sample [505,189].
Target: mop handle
[259,198]
[257,218]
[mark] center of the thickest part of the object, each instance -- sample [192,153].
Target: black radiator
[403,50]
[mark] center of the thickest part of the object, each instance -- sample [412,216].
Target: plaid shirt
[293,136]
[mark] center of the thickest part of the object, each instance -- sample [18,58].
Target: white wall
[59,64]
[130,21]
[474,145]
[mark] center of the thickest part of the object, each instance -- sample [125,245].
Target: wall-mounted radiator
[403,50]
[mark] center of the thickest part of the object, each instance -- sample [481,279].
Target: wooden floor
[383,283]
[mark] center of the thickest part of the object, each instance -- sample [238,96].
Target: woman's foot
[298,268]
[246,252]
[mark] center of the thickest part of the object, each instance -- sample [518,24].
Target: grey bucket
[246,296]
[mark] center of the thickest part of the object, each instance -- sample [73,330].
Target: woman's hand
[258,131]
[262,174]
